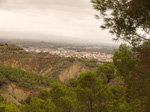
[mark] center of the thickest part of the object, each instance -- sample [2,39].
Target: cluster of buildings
[72,53]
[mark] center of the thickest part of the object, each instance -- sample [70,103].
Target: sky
[68,20]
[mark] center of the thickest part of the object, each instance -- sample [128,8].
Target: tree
[43,94]
[125,18]
[62,97]
[66,104]
[8,108]
[124,61]
[11,108]
[88,87]
[72,83]
[49,106]
[136,77]
[125,64]
[35,105]
[107,69]
[129,20]
[57,91]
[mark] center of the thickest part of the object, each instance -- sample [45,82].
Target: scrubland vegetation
[23,78]
[90,91]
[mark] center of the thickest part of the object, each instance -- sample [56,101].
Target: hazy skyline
[69,19]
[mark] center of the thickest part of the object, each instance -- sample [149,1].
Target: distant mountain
[52,38]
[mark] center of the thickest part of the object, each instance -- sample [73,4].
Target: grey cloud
[67,18]
[3,0]
[43,4]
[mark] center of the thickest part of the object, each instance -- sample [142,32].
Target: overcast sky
[70,19]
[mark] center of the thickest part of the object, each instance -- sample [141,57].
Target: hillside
[22,84]
[17,85]
[22,74]
[44,63]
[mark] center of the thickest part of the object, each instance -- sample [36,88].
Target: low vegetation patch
[23,78]
[14,48]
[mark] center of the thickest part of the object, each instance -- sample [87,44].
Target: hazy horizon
[68,20]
